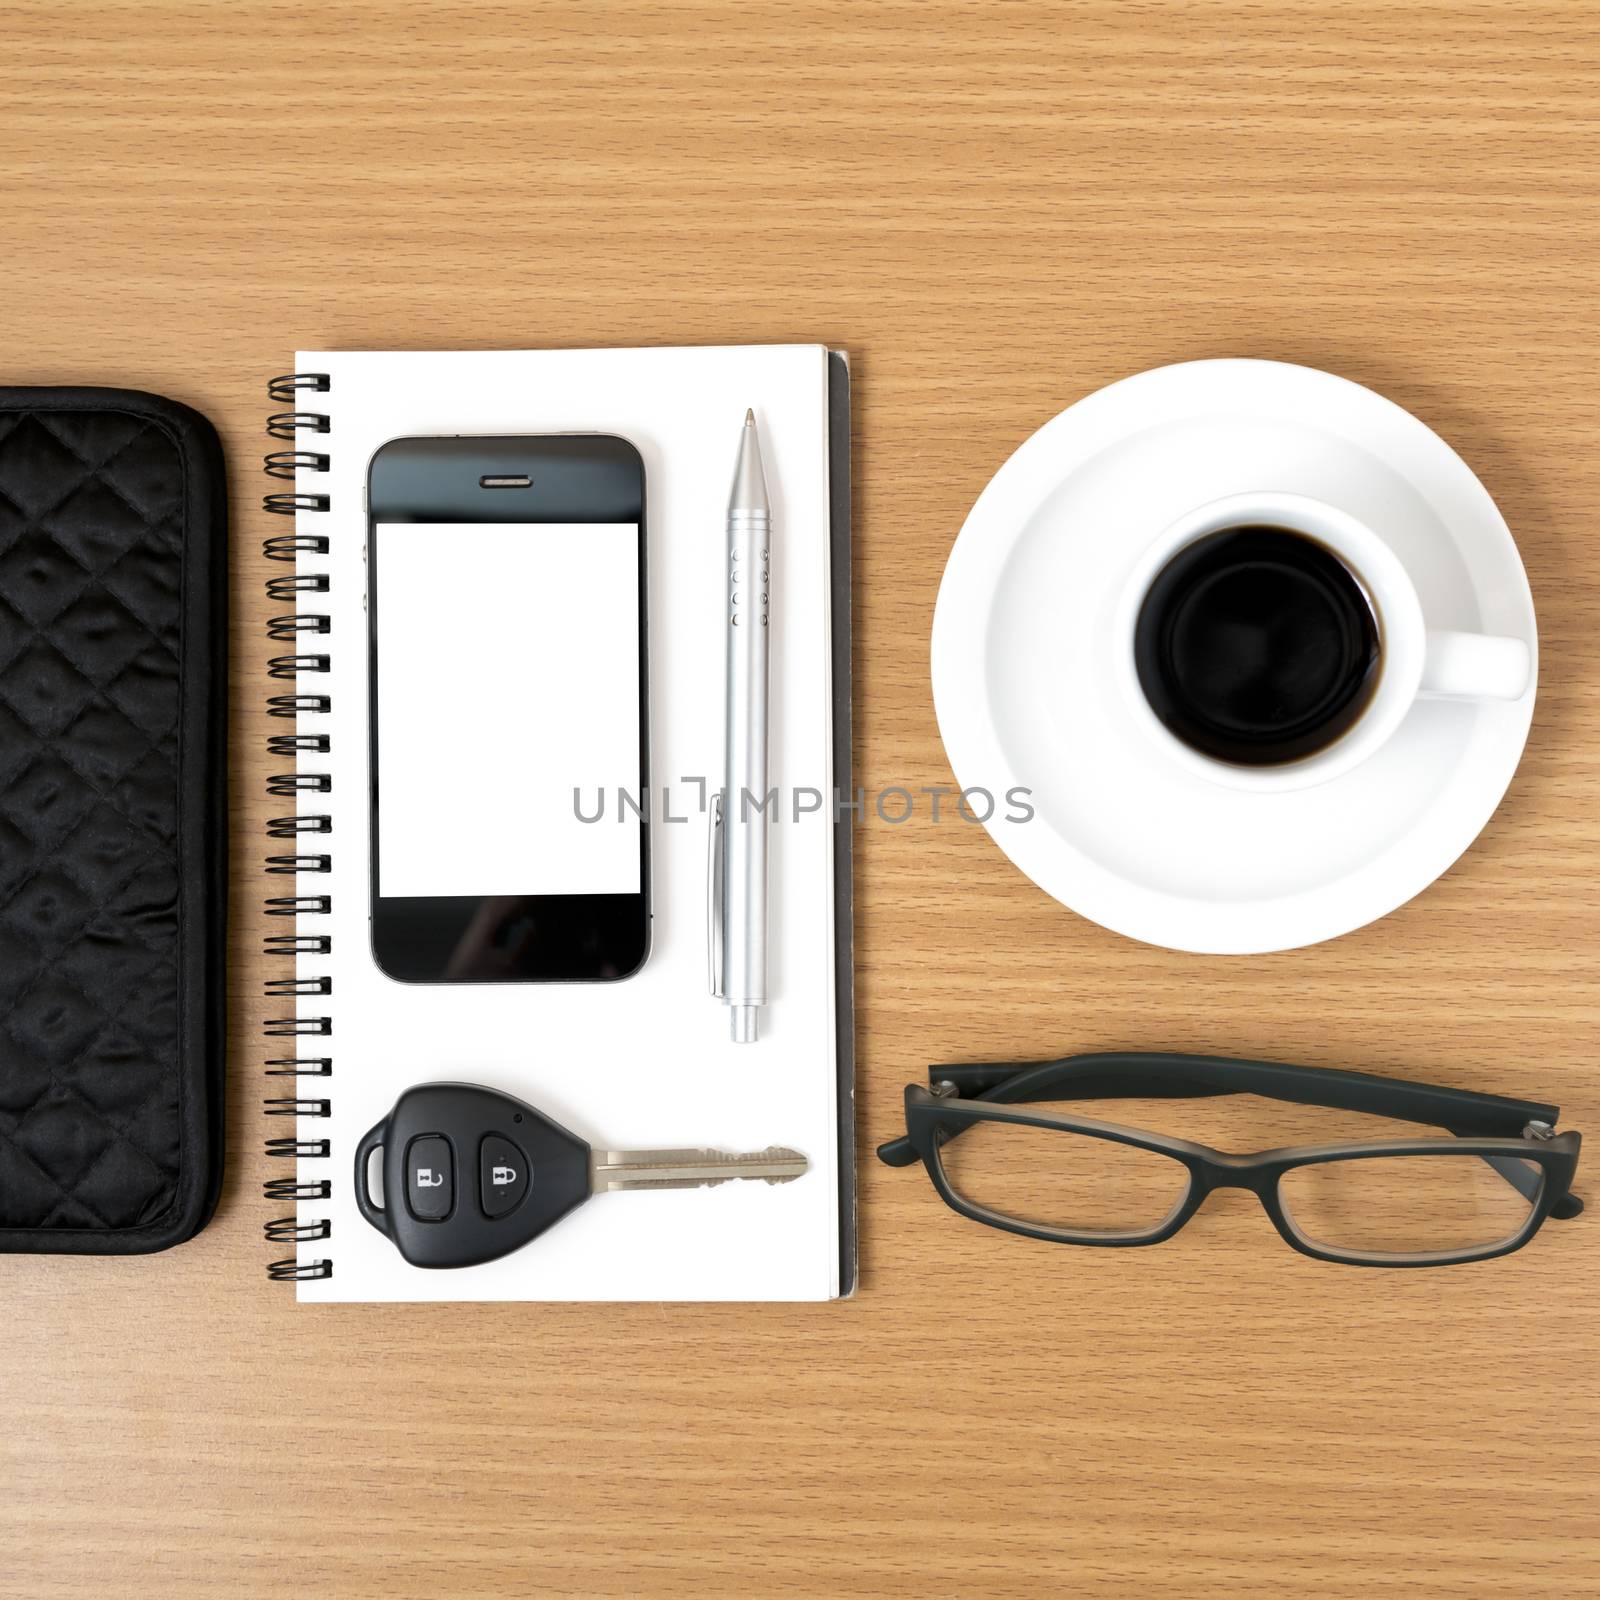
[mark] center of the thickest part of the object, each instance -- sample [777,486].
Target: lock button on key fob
[502,1176]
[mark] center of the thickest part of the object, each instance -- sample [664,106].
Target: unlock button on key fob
[502,1176]
[430,1179]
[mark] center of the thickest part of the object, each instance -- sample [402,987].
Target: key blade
[690,1169]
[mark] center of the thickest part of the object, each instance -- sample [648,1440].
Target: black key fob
[469,1174]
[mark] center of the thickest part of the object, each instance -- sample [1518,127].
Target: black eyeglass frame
[1509,1134]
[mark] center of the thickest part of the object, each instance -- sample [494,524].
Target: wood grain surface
[996,209]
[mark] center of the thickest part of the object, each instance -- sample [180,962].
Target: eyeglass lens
[1403,1205]
[1053,1178]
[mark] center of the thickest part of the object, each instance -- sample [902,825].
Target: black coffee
[1257,645]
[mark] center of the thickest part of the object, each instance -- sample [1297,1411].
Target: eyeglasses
[1419,1202]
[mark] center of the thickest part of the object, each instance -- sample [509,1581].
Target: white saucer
[1122,833]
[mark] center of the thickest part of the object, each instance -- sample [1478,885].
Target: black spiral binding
[297,629]
[286,424]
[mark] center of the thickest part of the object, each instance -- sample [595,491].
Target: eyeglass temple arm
[1139,1074]
[1169,1074]
[1086,1077]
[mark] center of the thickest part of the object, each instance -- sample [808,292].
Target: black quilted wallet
[113,820]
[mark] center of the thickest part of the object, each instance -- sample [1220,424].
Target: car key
[470,1174]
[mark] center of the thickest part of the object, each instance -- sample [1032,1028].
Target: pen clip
[714,871]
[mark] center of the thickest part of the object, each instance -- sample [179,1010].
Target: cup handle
[1475,666]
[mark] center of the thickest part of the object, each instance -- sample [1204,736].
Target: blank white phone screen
[508,704]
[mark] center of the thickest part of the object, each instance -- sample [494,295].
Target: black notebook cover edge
[844,816]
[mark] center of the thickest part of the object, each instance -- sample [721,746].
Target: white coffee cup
[1414,661]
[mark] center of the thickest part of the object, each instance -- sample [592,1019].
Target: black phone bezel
[591,938]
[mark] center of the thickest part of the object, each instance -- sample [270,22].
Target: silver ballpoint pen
[739,818]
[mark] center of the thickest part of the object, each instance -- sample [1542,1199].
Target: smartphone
[508,675]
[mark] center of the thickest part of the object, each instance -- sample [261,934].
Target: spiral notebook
[643,1063]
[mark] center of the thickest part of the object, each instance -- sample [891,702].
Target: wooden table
[996,208]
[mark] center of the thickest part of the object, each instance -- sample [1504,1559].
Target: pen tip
[749,418]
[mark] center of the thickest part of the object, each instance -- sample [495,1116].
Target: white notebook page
[647,1061]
